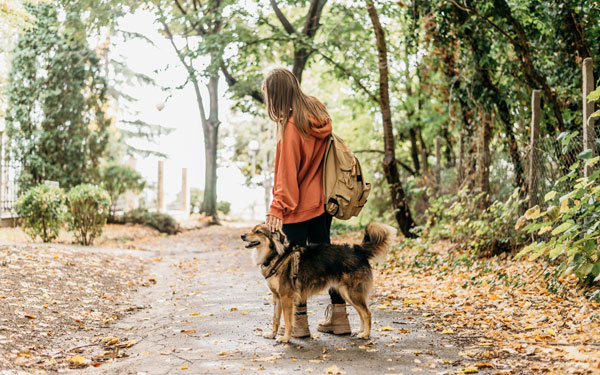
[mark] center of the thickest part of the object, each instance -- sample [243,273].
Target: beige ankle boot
[336,320]
[300,328]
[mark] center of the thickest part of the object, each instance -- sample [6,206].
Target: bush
[43,211]
[118,179]
[162,222]
[224,207]
[461,219]
[196,196]
[569,229]
[88,206]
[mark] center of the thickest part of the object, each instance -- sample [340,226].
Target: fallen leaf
[77,360]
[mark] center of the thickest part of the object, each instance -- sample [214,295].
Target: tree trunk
[414,149]
[211,138]
[399,201]
[484,160]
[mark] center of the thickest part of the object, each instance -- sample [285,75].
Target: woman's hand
[274,223]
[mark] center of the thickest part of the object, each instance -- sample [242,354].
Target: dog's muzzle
[251,243]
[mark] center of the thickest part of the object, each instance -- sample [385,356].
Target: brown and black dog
[298,272]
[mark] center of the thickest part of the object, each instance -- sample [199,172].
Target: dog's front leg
[276,318]
[287,305]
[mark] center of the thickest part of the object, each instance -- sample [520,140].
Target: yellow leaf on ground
[387,328]
[447,332]
[110,340]
[333,370]
[77,360]
[484,365]
[551,332]
[222,353]
[30,316]
[184,367]
[188,331]
[470,370]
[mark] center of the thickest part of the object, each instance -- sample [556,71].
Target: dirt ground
[194,304]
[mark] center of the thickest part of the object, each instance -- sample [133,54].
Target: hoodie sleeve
[286,190]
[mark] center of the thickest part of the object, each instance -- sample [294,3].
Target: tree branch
[476,14]
[284,21]
[349,74]
[189,69]
[255,94]
[311,23]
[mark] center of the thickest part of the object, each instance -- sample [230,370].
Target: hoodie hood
[321,131]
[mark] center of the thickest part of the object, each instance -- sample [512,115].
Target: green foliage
[464,219]
[224,207]
[162,222]
[196,197]
[88,207]
[117,179]
[56,98]
[568,229]
[43,211]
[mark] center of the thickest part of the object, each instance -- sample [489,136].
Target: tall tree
[56,101]
[195,31]
[399,201]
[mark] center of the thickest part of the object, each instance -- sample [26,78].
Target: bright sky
[185,146]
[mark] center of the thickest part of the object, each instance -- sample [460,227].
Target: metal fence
[9,171]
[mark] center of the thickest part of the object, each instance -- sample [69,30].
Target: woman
[298,201]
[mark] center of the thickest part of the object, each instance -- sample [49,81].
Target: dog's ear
[279,241]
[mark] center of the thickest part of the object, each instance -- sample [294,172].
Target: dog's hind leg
[276,317]
[287,305]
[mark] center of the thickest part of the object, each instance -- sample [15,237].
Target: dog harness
[272,264]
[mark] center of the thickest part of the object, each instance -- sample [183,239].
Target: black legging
[316,230]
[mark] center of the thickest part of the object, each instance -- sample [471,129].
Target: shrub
[196,196]
[224,207]
[164,223]
[461,219]
[117,179]
[568,231]
[88,206]
[42,209]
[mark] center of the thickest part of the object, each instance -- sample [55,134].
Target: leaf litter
[500,311]
[57,306]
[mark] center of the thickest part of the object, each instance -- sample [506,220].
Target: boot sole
[335,330]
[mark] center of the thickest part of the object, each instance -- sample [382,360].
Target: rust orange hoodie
[298,184]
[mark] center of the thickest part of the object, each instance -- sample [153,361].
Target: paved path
[209,307]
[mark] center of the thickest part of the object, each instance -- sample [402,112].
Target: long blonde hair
[284,98]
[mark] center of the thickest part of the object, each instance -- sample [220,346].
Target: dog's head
[263,243]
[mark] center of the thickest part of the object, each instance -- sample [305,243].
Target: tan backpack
[345,189]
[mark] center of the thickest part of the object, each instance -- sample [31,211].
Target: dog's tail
[377,241]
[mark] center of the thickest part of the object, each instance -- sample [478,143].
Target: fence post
[461,156]
[184,191]
[588,109]
[438,163]
[160,188]
[533,147]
